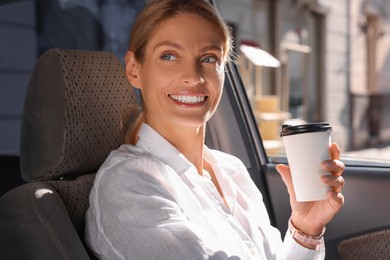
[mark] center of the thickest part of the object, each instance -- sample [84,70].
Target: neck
[189,141]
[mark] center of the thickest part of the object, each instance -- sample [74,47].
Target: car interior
[78,108]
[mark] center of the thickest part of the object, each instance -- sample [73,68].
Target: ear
[132,69]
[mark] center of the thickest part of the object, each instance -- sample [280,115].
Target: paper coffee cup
[306,147]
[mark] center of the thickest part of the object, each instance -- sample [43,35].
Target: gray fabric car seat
[371,246]
[78,108]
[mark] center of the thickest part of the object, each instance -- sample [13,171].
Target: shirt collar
[151,141]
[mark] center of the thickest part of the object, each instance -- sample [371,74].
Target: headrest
[78,107]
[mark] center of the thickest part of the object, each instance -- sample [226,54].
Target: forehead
[189,29]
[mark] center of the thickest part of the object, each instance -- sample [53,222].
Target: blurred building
[334,67]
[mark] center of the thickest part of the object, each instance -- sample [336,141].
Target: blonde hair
[156,12]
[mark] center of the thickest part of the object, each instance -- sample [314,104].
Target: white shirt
[149,202]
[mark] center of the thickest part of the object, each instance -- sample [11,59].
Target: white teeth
[188,99]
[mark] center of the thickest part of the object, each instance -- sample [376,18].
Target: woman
[166,195]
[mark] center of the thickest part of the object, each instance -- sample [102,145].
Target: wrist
[306,226]
[312,242]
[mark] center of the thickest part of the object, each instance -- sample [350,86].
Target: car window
[290,71]
[28,28]
[299,64]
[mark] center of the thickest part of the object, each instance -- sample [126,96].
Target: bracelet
[317,241]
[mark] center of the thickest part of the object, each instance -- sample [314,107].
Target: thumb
[284,171]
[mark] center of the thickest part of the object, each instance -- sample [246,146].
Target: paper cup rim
[288,130]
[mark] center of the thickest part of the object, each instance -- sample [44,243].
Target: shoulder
[129,167]
[129,157]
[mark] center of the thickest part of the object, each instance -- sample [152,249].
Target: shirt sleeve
[136,218]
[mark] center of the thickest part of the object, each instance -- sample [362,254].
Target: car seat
[374,245]
[78,108]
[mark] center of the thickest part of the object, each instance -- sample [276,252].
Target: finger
[284,171]
[336,199]
[337,182]
[336,167]
[334,151]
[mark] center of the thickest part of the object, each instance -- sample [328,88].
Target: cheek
[153,79]
[162,77]
[217,79]
[221,68]
[217,90]
[220,73]
[221,76]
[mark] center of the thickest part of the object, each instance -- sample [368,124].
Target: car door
[233,129]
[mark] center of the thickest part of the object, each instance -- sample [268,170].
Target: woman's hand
[310,217]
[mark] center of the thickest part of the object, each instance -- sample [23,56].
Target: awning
[259,57]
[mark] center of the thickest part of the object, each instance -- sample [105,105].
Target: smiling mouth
[188,99]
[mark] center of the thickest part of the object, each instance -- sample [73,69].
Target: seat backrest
[374,245]
[78,108]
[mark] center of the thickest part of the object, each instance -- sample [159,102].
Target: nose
[192,76]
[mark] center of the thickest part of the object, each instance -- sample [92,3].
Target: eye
[210,59]
[168,57]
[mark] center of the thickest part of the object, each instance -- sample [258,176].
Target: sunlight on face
[182,77]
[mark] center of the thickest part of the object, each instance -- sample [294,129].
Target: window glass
[87,24]
[331,65]
[28,28]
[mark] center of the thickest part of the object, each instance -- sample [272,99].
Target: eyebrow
[178,46]
[168,44]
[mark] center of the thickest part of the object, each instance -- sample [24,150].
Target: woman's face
[181,78]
